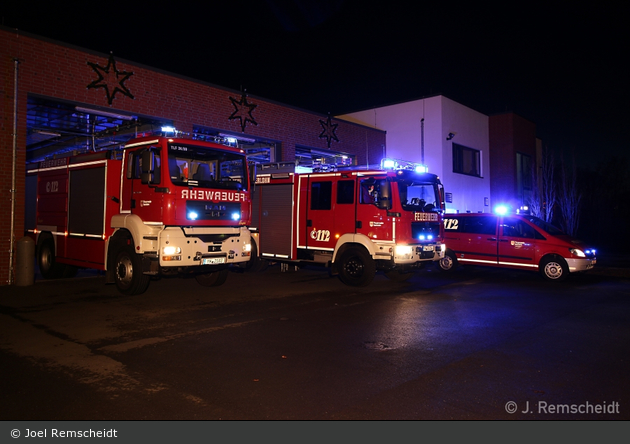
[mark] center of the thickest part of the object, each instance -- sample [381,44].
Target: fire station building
[59,99]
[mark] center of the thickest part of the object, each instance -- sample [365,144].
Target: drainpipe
[13,171]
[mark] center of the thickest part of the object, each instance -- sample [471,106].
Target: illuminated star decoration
[109,78]
[328,131]
[243,111]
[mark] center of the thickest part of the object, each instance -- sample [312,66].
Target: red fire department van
[513,241]
[354,221]
[160,206]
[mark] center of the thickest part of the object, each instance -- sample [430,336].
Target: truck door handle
[309,223]
[504,240]
[359,224]
[492,238]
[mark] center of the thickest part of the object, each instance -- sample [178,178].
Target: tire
[256,264]
[213,279]
[449,262]
[356,267]
[399,276]
[128,272]
[554,268]
[48,266]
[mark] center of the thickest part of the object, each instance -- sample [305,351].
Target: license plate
[212,260]
[427,248]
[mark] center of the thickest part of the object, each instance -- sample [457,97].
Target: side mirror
[252,176]
[384,196]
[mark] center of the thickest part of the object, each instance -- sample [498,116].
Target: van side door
[517,243]
[477,241]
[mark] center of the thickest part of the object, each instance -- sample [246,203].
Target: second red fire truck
[161,206]
[354,221]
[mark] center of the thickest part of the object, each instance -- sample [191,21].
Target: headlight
[247,247]
[577,252]
[169,251]
[403,250]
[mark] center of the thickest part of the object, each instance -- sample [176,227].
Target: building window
[466,160]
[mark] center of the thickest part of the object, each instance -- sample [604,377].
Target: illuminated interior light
[236,216]
[193,215]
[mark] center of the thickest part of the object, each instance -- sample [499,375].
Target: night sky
[564,69]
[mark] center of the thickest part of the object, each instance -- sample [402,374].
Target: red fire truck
[161,206]
[354,221]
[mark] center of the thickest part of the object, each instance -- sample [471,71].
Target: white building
[450,138]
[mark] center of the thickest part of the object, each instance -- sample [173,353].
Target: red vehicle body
[161,206]
[355,221]
[513,241]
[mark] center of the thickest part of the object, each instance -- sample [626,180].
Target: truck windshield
[190,165]
[419,195]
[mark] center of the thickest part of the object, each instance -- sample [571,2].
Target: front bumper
[196,246]
[582,264]
[410,254]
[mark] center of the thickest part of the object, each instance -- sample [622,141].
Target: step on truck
[354,221]
[160,206]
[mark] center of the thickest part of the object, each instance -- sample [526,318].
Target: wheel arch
[133,225]
[352,240]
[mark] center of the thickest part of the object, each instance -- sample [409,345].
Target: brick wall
[59,71]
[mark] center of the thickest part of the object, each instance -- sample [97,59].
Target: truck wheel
[128,272]
[356,267]
[213,279]
[554,268]
[48,266]
[256,263]
[448,262]
[398,275]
